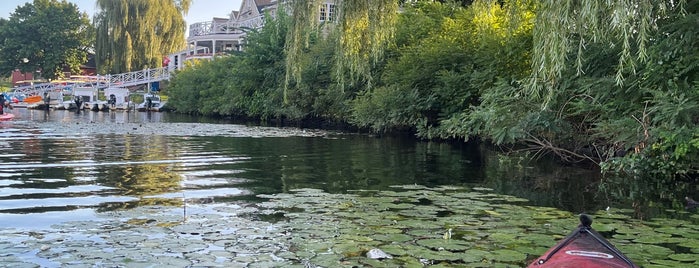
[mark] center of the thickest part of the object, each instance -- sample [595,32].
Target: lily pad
[392,237]
[444,244]
[684,257]
[669,263]
[647,250]
[506,255]
[656,238]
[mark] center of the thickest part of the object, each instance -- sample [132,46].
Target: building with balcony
[222,35]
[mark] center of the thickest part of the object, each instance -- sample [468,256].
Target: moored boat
[117,98]
[151,102]
[32,99]
[583,248]
[87,96]
[6,116]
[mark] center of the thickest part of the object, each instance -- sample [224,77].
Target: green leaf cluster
[136,34]
[252,83]
[45,36]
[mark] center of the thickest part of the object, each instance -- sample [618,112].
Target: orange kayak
[32,99]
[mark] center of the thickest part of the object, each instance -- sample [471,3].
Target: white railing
[37,89]
[213,27]
[100,81]
[137,77]
[252,23]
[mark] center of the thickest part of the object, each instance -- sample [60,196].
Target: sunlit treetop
[365,29]
[561,27]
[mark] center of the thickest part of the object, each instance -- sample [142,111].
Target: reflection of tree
[353,162]
[148,180]
[143,180]
[171,202]
[544,182]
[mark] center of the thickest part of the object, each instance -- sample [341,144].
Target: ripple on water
[60,203]
[43,221]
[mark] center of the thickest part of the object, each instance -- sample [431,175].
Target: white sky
[200,11]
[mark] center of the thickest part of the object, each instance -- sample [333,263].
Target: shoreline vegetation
[465,72]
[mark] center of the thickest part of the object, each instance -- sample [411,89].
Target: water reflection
[51,170]
[63,161]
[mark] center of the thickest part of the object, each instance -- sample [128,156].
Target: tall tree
[366,29]
[45,36]
[136,34]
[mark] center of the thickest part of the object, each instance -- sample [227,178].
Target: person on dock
[78,103]
[2,103]
[47,101]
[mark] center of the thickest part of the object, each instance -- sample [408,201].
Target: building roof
[264,3]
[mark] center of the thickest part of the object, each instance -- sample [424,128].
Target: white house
[221,35]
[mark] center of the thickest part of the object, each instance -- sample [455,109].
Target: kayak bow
[584,247]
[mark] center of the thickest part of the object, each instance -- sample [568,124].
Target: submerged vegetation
[621,92]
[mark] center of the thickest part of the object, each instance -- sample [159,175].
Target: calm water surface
[163,189]
[61,165]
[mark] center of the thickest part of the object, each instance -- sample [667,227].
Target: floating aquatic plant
[414,224]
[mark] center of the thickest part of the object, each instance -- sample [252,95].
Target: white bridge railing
[99,81]
[137,77]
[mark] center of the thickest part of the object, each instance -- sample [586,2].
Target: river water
[58,167]
[60,163]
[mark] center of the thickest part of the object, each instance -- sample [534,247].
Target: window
[322,12]
[331,12]
[327,12]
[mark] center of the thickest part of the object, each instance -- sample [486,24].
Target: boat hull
[583,248]
[6,116]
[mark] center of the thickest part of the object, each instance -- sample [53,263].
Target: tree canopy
[45,36]
[136,34]
[366,28]
[565,26]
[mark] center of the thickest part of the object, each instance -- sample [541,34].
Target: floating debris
[376,253]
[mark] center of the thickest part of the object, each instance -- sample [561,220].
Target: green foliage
[462,72]
[135,34]
[446,69]
[390,108]
[663,105]
[244,84]
[570,26]
[365,29]
[498,118]
[49,34]
[316,94]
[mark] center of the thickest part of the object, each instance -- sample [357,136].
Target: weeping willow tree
[565,26]
[365,28]
[136,34]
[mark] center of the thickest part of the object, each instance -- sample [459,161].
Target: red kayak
[583,248]
[6,116]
